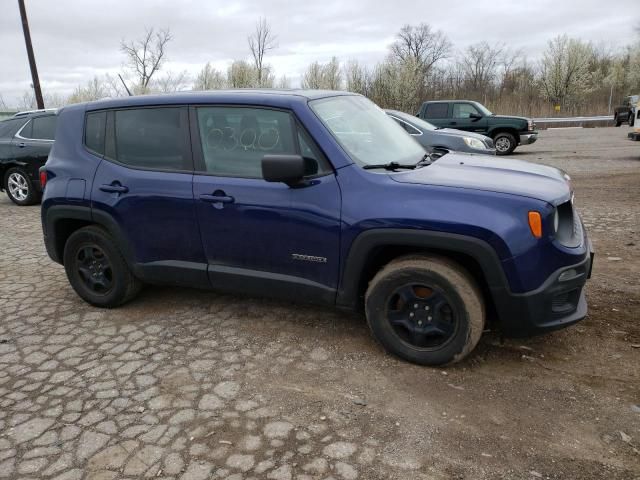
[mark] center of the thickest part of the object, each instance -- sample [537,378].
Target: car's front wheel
[616,120]
[97,269]
[20,188]
[505,143]
[632,119]
[427,310]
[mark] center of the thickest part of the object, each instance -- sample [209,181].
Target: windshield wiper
[391,166]
[425,160]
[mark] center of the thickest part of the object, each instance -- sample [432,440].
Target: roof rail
[42,110]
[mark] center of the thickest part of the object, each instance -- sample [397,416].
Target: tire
[632,119]
[20,188]
[456,308]
[616,120]
[505,143]
[96,269]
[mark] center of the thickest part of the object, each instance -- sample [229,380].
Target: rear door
[262,237]
[143,187]
[8,129]
[437,113]
[32,144]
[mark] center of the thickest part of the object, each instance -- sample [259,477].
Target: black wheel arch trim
[54,213]
[365,243]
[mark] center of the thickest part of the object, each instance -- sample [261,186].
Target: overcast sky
[75,40]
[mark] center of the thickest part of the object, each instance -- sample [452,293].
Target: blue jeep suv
[312,196]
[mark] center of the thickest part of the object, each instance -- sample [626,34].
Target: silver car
[440,141]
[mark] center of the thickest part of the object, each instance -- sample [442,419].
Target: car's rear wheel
[97,270]
[632,119]
[427,310]
[19,187]
[505,143]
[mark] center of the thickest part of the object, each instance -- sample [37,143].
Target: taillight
[43,178]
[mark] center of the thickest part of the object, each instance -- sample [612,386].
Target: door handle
[216,198]
[114,188]
[22,145]
[452,123]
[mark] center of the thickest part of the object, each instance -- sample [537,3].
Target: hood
[510,117]
[482,172]
[461,133]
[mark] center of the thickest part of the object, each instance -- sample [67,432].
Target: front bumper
[558,303]
[528,138]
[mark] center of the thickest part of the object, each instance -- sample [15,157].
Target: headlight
[474,143]
[531,125]
[556,221]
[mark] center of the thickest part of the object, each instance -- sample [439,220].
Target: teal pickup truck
[507,132]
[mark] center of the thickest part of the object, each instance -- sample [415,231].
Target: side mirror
[475,116]
[289,169]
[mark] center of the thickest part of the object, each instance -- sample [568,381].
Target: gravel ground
[188,384]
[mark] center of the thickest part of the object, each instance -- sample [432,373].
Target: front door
[463,118]
[143,188]
[261,237]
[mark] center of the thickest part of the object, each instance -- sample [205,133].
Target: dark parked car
[312,196]
[507,132]
[440,141]
[627,111]
[25,142]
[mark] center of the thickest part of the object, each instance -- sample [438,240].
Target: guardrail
[600,118]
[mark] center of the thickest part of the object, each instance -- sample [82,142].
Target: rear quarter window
[94,132]
[43,128]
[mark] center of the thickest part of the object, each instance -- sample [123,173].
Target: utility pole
[610,97]
[32,59]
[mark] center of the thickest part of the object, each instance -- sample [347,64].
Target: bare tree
[283,82]
[422,45]
[312,78]
[172,82]
[95,89]
[52,100]
[241,74]
[323,76]
[209,79]
[479,64]
[357,78]
[260,42]
[3,105]
[146,55]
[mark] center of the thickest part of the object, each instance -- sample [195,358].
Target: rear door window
[150,138]
[437,110]
[43,128]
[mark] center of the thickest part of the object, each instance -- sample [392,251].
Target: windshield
[369,136]
[485,111]
[415,121]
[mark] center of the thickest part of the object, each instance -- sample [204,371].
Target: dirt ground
[189,384]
